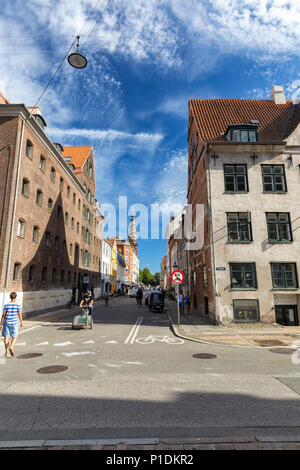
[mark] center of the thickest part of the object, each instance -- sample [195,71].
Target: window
[50,205]
[39,197]
[72,222]
[79,204]
[235,177]
[246,310]
[52,174]
[273,177]
[54,275]
[74,278]
[279,227]
[47,240]
[71,249]
[68,191]
[66,218]
[44,274]
[64,245]
[239,226]
[21,228]
[74,199]
[284,275]
[42,164]
[243,135]
[243,276]
[58,213]
[56,243]
[62,276]
[78,227]
[17,270]
[204,272]
[35,234]
[25,187]
[61,183]
[69,277]
[31,273]
[29,149]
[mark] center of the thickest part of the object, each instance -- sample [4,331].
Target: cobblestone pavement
[199,328]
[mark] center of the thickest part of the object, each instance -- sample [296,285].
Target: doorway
[206,308]
[287,315]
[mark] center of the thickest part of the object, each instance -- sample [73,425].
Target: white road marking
[88,342]
[134,330]
[92,365]
[42,344]
[77,353]
[113,365]
[28,329]
[111,342]
[63,344]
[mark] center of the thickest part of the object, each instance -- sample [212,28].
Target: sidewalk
[199,328]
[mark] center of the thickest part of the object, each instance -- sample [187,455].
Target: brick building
[244,160]
[50,241]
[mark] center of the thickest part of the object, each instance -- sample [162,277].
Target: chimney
[277,95]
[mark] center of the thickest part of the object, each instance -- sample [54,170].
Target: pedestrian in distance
[139,296]
[188,302]
[12,314]
[181,301]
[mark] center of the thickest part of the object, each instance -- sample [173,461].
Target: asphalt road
[130,377]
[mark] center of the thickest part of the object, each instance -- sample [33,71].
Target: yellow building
[113,265]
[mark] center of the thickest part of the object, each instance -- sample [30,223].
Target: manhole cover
[29,356]
[282,350]
[269,342]
[51,369]
[204,356]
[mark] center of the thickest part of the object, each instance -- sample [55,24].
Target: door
[206,305]
[287,315]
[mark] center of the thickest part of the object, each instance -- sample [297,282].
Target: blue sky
[145,60]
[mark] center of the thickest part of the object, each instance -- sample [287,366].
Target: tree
[157,279]
[147,277]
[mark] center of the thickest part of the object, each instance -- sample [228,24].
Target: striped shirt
[11,309]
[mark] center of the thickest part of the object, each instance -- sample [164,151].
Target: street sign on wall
[177,277]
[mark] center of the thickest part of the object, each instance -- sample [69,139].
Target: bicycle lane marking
[162,339]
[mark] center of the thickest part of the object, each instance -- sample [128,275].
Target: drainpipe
[216,294]
[13,215]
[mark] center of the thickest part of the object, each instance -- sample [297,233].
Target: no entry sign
[177,277]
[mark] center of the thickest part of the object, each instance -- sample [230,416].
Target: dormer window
[58,147]
[242,133]
[41,122]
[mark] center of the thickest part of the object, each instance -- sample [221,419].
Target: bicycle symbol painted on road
[162,339]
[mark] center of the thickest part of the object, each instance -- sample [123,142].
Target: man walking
[12,313]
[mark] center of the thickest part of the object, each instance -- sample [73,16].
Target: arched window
[68,191]
[69,276]
[58,213]
[54,273]
[31,273]
[44,274]
[66,218]
[71,249]
[74,199]
[39,197]
[61,183]
[35,234]
[47,239]
[52,174]
[17,271]
[21,228]
[79,204]
[56,243]
[29,149]
[50,205]
[62,276]
[25,187]
[72,222]
[78,227]
[42,165]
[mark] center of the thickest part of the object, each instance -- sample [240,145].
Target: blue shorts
[181,304]
[10,330]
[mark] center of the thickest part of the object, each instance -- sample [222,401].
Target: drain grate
[52,369]
[204,356]
[269,342]
[29,356]
[282,350]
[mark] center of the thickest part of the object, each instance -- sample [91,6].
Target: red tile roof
[214,116]
[78,154]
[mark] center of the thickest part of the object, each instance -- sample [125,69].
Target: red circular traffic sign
[177,277]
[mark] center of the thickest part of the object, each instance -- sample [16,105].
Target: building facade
[106,268]
[49,219]
[244,158]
